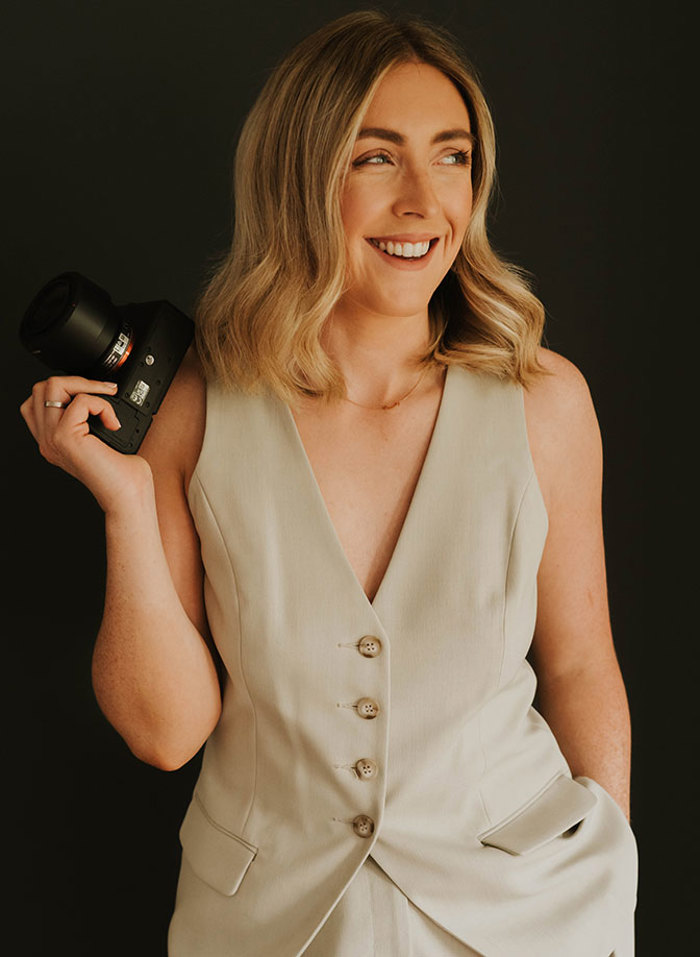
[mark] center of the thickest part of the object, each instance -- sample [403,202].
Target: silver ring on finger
[54,404]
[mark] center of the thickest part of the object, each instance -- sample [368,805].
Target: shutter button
[367,708]
[370,646]
[366,768]
[363,825]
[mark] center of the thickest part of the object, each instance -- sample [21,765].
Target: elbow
[158,740]
[165,733]
[162,759]
[166,751]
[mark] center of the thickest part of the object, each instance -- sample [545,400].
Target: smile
[405,255]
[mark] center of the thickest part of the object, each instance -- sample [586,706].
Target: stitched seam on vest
[221,829]
[530,459]
[200,455]
[240,653]
[505,580]
[484,762]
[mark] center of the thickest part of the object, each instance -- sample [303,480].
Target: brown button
[370,646]
[363,825]
[367,708]
[366,768]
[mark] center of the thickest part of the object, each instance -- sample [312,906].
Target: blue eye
[366,160]
[461,158]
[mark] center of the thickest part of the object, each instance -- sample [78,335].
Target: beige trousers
[374,918]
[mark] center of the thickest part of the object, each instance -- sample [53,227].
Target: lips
[418,238]
[401,262]
[432,241]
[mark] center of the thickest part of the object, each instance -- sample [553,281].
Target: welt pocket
[217,856]
[562,803]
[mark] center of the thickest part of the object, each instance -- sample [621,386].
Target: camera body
[72,326]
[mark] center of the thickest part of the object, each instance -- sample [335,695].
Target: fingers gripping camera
[72,326]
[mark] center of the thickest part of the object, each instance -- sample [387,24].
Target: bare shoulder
[561,420]
[175,437]
[562,392]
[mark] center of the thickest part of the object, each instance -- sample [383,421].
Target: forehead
[418,96]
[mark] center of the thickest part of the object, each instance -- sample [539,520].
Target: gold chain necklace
[392,405]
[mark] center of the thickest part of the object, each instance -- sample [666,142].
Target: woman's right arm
[153,667]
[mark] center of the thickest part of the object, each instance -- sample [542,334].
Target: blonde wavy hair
[264,305]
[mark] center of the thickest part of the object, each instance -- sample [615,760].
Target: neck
[378,355]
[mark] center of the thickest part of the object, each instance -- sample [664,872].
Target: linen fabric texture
[474,813]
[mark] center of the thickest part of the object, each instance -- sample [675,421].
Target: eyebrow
[378,132]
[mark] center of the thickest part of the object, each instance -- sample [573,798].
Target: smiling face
[409,181]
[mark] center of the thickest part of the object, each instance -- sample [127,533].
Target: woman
[369,493]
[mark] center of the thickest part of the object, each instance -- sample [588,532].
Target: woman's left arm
[581,692]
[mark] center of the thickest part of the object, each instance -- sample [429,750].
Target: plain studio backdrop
[120,120]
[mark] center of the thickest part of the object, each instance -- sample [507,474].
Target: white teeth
[405,250]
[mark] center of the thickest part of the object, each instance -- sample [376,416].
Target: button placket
[365,769]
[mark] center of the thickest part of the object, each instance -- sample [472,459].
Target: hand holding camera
[57,414]
[120,362]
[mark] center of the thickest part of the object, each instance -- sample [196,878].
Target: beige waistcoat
[461,793]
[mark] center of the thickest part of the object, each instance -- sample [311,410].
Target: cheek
[462,209]
[351,209]
[467,197]
[359,209]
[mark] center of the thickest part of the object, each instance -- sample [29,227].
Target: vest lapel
[422,490]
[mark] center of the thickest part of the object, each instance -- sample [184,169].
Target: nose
[416,195]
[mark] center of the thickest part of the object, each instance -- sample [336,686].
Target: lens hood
[71,323]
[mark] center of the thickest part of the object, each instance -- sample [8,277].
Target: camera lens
[72,324]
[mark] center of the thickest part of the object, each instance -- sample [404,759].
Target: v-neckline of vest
[413,505]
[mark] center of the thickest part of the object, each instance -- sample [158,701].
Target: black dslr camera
[73,327]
